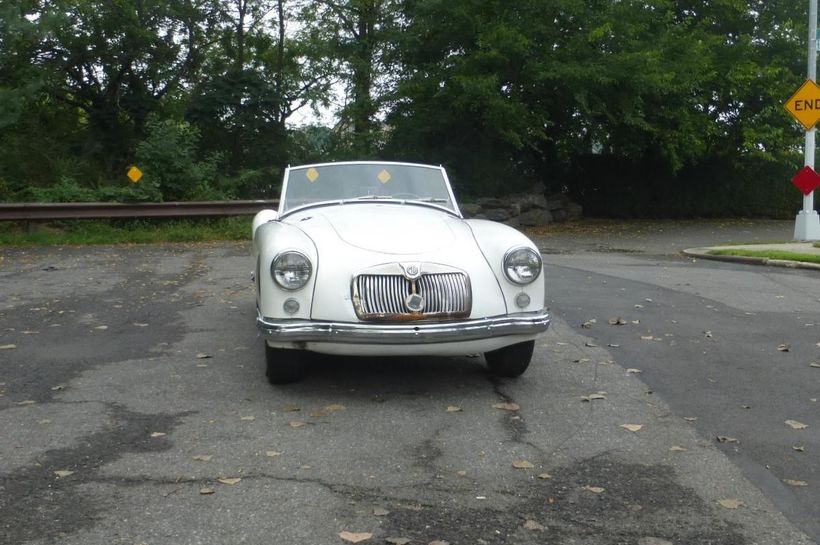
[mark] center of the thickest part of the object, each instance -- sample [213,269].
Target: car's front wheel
[510,361]
[283,366]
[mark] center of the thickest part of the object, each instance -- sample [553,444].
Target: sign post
[807,223]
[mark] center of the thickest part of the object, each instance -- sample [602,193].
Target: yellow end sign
[804,105]
[134,174]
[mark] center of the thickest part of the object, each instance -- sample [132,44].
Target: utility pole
[807,223]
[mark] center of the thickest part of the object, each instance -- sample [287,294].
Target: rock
[535,217]
[470,209]
[528,202]
[497,214]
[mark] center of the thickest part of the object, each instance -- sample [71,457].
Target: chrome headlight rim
[515,279]
[283,254]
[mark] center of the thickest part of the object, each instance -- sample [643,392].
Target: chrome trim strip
[524,323]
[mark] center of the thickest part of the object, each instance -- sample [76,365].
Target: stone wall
[524,209]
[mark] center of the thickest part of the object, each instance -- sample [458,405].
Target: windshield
[365,181]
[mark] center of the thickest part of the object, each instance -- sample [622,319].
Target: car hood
[386,228]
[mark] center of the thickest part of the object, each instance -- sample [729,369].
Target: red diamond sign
[806,180]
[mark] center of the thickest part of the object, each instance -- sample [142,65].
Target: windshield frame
[282,212]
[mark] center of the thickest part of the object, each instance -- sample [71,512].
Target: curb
[702,253]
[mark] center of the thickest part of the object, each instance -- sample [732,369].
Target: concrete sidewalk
[795,247]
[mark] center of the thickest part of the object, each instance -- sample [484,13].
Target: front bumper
[524,323]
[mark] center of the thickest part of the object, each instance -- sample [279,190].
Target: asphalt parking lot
[134,410]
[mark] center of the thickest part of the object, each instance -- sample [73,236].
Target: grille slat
[382,296]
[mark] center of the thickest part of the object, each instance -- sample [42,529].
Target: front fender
[269,240]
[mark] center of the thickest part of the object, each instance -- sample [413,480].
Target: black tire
[283,366]
[510,361]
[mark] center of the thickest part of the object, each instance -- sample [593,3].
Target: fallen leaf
[544,476]
[203,457]
[453,409]
[305,466]
[202,356]
[397,540]
[507,406]
[592,397]
[58,387]
[617,321]
[590,344]
[229,480]
[796,425]
[799,448]
[707,334]
[101,327]
[633,371]
[522,464]
[792,482]
[27,402]
[44,421]
[157,434]
[248,418]
[63,473]
[317,414]
[731,503]
[291,409]
[783,348]
[593,489]
[632,427]
[690,418]
[726,439]
[613,345]
[588,324]
[139,324]
[352,537]
[534,526]
[676,448]
[380,512]
[439,542]
[8,346]
[814,365]
[335,407]
[296,424]
[206,491]
[647,338]
[273,453]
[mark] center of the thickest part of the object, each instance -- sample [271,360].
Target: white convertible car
[375,259]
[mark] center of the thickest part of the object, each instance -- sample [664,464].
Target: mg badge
[411,270]
[414,302]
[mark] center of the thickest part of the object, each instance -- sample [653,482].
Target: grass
[83,232]
[770,254]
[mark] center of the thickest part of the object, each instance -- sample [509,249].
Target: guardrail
[105,210]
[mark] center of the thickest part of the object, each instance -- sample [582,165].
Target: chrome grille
[382,296]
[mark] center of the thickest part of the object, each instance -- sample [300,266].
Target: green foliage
[125,231]
[170,166]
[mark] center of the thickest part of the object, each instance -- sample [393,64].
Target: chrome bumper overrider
[524,323]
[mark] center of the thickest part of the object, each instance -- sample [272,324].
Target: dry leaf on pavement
[588,324]
[203,457]
[799,448]
[593,489]
[273,453]
[335,407]
[63,473]
[792,482]
[731,503]
[8,346]
[632,427]
[522,464]
[676,448]
[453,409]
[202,356]
[439,542]
[507,406]
[397,540]
[157,434]
[352,537]
[380,512]
[633,371]
[248,418]
[592,397]
[229,480]
[544,476]
[206,491]
[727,439]
[534,526]
[796,425]
[617,321]
[296,424]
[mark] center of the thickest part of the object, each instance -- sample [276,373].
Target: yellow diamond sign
[312,174]
[134,174]
[804,105]
[384,176]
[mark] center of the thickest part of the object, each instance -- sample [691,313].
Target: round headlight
[522,265]
[291,270]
